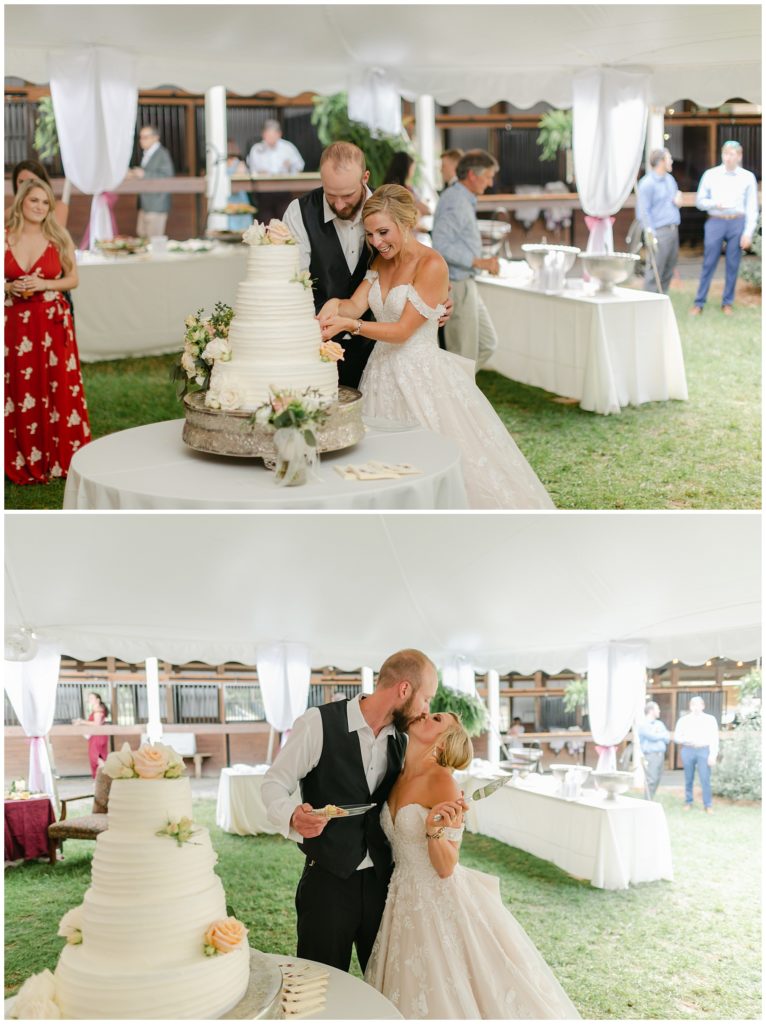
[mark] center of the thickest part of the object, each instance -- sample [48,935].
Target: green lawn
[704,453]
[690,949]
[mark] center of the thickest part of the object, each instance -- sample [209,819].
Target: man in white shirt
[697,735]
[273,154]
[729,194]
[346,753]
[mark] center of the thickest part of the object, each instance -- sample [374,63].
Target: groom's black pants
[334,914]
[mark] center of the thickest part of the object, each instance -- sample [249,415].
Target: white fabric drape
[284,672]
[609,111]
[154,721]
[95,100]
[374,100]
[616,689]
[31,688]
[458,674]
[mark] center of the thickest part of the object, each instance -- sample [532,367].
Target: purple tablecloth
[26,828]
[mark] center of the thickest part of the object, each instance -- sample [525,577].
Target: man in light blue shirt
[729,194]
[654,738]
[469,332]
[658,202]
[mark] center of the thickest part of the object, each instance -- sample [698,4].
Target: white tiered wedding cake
[274,338]
[151,939]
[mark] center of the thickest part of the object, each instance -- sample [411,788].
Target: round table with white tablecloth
[612,843]
[150,467]
[348,998]
[136,305]
[240,809]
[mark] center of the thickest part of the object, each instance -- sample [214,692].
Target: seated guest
[273,154]
[46,417]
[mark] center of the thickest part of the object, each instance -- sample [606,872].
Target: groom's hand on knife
[307,824]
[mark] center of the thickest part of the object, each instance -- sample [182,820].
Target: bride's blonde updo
[454,749]
[394,200]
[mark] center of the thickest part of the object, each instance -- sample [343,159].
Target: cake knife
[484,791]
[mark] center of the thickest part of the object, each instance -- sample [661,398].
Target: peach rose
[150,762]
[278,233]
[227,935]
[331,351]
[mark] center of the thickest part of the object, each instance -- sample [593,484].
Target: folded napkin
[304,990]
[377,471]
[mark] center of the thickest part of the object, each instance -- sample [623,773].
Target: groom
[327,225]
[346,752]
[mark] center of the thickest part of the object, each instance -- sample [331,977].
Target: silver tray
[263,997]
[232,433]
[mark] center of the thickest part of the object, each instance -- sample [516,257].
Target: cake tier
[148,868]
[142,806]
[272,262]
[113,928]
[286,299]
[251,339]
[204,988]
[255,381]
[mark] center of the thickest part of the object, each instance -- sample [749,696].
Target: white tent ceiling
[521,592]
[484,53]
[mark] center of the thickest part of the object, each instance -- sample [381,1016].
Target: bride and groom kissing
[431,935]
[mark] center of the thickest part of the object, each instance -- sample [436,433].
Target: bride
[447,948]
[408,377]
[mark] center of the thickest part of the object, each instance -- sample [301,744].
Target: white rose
[190,321]
[230,398]
[200,379]
[311,403]
[119,764]
[189,364]
[263,415]
[70,926]
[36,999]
[254,234]
[212,401]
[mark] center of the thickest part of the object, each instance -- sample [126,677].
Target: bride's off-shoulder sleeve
[423,308]
[371,275]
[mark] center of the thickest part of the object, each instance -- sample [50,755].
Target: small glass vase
[296,458]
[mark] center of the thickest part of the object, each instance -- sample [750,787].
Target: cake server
[484,791]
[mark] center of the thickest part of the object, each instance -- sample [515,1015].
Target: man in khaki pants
[156,162]
[469,332]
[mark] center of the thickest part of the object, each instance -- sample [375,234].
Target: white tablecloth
[136,305]
[150,467]
[608,351]
[240,809]
[348,998]
[612,843]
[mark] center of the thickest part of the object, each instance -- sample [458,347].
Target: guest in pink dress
[98,746]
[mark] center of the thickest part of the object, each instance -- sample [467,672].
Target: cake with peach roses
[274,342]
[152,938]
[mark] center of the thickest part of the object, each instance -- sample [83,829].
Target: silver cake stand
[233,433]
[263,997]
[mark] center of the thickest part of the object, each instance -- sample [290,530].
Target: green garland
[470,710]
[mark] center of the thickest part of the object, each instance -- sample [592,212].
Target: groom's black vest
[339,778]
[331,280]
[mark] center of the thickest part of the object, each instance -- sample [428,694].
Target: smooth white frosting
[274,336]
[145,916]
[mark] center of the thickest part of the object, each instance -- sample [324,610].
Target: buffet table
[611,843]
[606,350]
[239,808]
[150,467]
[136,305]
[26,827]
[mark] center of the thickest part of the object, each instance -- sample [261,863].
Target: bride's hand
[449,305]
[333,325]
[448,813]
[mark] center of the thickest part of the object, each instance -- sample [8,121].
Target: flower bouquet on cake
[206,340]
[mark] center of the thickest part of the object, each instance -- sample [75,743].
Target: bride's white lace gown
[447,948]
[417,382]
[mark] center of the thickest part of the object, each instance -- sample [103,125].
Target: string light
[666,136]
[671,110]
[675,661]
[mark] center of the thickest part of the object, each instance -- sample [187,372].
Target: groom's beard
[403,716]
[349,214]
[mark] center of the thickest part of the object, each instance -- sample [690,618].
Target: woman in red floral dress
[46,417]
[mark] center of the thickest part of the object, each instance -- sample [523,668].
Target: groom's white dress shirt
[301,754]
[350,233]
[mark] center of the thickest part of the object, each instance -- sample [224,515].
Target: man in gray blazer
[156,162]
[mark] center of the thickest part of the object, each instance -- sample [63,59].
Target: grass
[690,949]
[704,453]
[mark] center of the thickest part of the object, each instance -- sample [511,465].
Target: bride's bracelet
[437,834]
[358,329]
